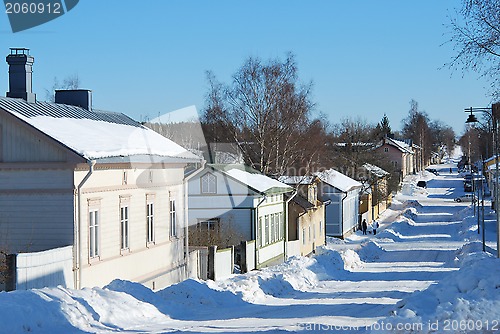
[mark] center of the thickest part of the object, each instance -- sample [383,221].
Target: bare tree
[216,232]
[266,112]
[351,145]
[475,33]
[70,82]
[443,138]
[416,128]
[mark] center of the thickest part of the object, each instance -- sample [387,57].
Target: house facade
[306,213]
[97,181]
[400,155]
[375,197]
[343,193]
[237,200]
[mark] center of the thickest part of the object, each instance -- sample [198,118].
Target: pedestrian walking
[375,227]
[365,227]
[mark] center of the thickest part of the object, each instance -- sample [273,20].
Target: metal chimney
[75,97]
[20,74]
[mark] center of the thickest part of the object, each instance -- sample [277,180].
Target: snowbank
[467,301]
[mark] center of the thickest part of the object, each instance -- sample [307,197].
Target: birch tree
[265,110]
[475,33]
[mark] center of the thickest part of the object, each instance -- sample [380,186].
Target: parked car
[432,170]
[465,198]
[422,184]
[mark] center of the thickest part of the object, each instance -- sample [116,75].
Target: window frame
[150,220]
[124,227]
[210,180]
[172,218]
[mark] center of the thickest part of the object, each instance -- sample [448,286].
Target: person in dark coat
[364,226]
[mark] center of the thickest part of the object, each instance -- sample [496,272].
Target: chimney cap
[19,52]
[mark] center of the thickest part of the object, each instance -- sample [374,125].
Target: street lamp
[493,113]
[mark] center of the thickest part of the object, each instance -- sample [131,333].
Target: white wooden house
[97,181]
[240,198]
[342,214]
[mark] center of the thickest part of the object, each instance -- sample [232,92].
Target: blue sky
[146,58]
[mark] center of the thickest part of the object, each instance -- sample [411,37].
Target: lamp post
[494,114]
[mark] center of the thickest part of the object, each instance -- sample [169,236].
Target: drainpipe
[186,216]
[285,221]
[342,215]
[77,252]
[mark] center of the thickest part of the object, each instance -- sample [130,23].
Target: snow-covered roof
[375,170]
[296,179]
[490,159]
[401,145]
[94,134]
[338,180]
[256,181]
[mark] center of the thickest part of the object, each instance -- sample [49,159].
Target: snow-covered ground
[423,272]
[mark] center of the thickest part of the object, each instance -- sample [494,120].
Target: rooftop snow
[377,171]
[258,182]
[296,179]
[338,180]
[94,134]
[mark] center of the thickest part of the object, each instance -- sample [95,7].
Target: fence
[292,248]
[198,262]
[40,269]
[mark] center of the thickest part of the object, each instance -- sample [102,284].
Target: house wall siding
[20,143]
[103,191]
[36,209]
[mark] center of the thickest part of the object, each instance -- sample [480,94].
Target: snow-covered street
[365,283]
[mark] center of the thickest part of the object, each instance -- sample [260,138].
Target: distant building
[306,214]
[238,200]
[342,214]
[400,155]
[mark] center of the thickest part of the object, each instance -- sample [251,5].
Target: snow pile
[410,213]
[59,310]
[370,252]
[351,260]
[277,281]
[413,204]
[298,274]
[467,301]
[391,234]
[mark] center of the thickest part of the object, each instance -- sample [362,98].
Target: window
[93,233]
[273,231]
[208,184]
[280,225]
[150,222]
[124,228]
[209,227]
[386,149]
[267,232]
[304,236]
[124,177]
[261,233]
[277,226]
[173,219]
